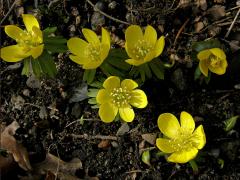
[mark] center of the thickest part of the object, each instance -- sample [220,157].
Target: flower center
[214,61]
[184,141]
[120,96]
[93,52]
[141,49]
[28,40]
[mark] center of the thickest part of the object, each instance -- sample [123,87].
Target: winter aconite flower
[119,97]
[89,54]
[29,41]
[182,141]
[213,59]
[142,48]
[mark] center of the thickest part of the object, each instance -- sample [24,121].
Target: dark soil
[211,104]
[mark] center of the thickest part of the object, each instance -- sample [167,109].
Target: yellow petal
[91,36]
[204,54]
[30,21]
[150,35]
[183,156]
[14,32]
[77,46]
[203,67]
[138,99]
[103,96]
[13,53]
[111,82]
[37,51]
[199,137]
[104,52]
[38,33]
[106,37]
[92,65]
[218,52]
[135,62]
[78,60]
[133,34]
[107,112]
[159,46]
[150,56]
[164,145]
[168,124]
[221,69]
[126,114]
[187,122]
[129,84]
[128,50]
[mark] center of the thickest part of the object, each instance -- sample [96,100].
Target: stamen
[120,97]
[93,52]
[141,49]
[214,61]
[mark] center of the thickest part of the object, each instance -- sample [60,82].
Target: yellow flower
[89,54]
[213,59]
[182,141]
[29,41]
[118,97]
[142,48]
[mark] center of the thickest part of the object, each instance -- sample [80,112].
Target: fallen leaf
[217,12]
[198,26]
[123,129]
[79,93]
[58,166]
[18,151]
[104,144]
[33,82]
[150,138]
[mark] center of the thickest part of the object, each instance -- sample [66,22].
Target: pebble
[26,92]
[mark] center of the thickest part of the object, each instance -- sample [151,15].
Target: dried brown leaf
[217,12]
[104,144]
[18,151]
[150,138]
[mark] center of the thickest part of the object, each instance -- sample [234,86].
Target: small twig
[9,11]
[102,137]
[230,28]
[236,7]
[79,120]
[148,149]
[103,13]
[180,31]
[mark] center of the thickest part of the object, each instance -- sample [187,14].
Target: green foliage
[199,46]
[230,123]
[146,157]
[197,73]
[89,75]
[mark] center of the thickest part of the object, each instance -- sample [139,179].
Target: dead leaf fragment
[18,151]
[150,138]
[198,26]
[217,12]
[123,129]
[104,144]
[17,102]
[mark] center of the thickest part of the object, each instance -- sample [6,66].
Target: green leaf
[147,70]
[221,163]
[197,73]
[95,106]
[146,157]
[208,78]
[230,123]
[157,68]
[49,30]
[55,40]
[92,101]
[26,67]
[134,72]
[194,166]
[92,92]
[55,44]
[36,67]
[111,70]
[96,84]
[47,64]
[142,74]
[89,75]
[199,46]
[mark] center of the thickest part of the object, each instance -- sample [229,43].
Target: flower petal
[92,65]
[164,145]
[90,36]
[150,56]
[187,122]
[127,114]
[14,32]
[159,46]
[78,60]
[38,33]
[103,96]
[77,46]
[183,156]
[128,50]
[13,53]
[204,54]
[106,38]
[30,21]
[199,137]
[150,35]
[129,84]
[168,124]
[107,112]
[203,67]
[133,34]
[135,62]
[104,52]
[218,52]
[221,69]
[138,98]
[111,82]
[37,51]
